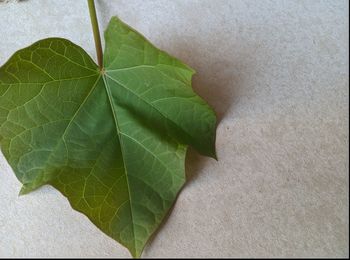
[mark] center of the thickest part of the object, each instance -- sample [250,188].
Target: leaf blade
[112,142]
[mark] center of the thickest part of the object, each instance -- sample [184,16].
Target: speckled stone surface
[276,73]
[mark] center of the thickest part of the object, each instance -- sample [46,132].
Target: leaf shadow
[218,81]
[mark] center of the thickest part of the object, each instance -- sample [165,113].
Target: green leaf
[112,141]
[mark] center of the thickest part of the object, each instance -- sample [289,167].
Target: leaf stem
[96,32]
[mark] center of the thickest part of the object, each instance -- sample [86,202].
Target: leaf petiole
[96,32]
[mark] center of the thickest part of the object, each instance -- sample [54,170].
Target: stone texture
[277,74]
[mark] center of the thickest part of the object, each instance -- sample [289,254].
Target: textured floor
[275,71]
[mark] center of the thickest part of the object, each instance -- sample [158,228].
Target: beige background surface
[275,71]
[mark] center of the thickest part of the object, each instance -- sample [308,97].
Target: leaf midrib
[122,152]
